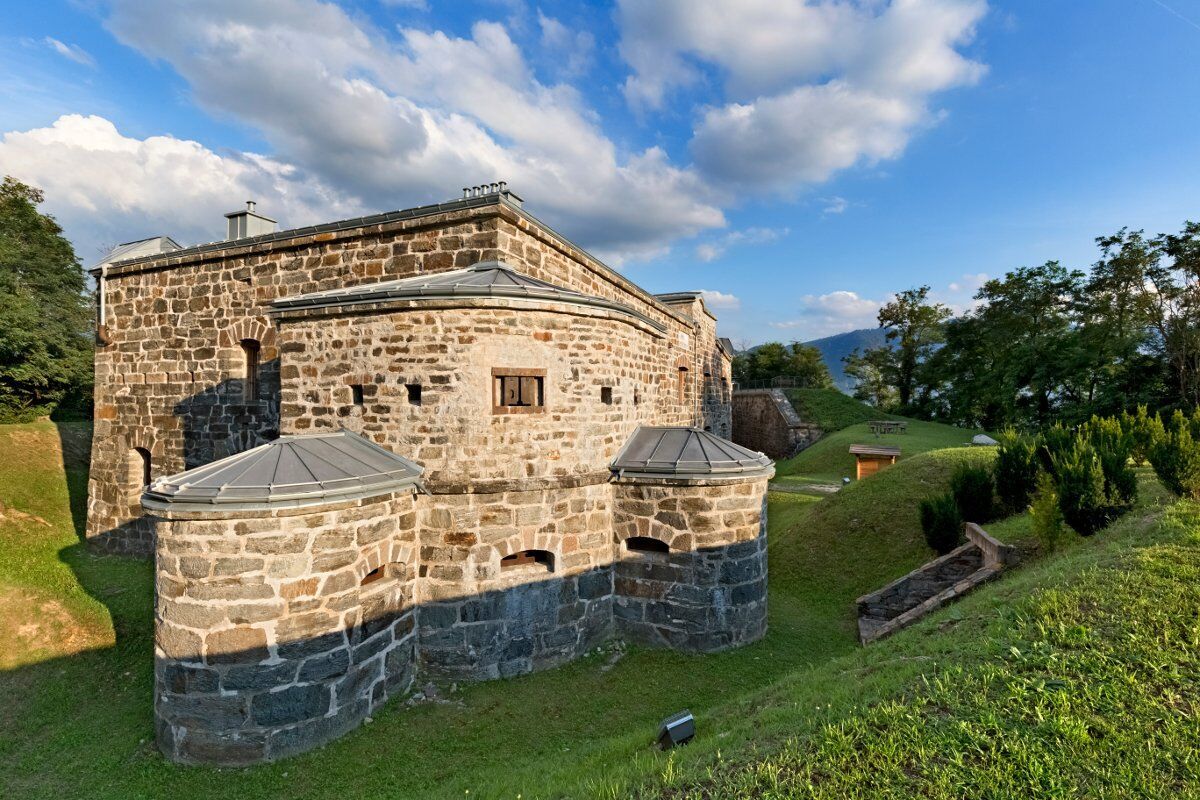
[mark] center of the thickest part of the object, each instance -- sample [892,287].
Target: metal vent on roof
[687,453]
[291,471]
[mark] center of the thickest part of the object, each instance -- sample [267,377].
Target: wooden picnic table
[882,426]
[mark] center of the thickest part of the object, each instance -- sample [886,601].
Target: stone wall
[764,420]
[267,642]
[709,590]
[170,381]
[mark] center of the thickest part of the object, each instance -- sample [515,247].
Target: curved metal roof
[288,472]
[687,453]
[485,279]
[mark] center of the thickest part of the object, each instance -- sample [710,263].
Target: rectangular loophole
[606,395]
[518,390]
[356,394]
[414,393]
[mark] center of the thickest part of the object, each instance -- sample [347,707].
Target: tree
[45,314]
[915,327]
[872,370]
[800,363]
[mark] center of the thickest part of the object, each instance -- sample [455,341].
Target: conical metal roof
[288,472]
[485,279]
[685,453]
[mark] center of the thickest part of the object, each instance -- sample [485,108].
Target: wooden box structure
[870,458]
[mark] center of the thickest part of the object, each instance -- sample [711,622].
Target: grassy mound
[829,459]
[830,409]
[1072,677]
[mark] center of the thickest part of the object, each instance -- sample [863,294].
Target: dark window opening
[250,350]
[356,394]
[379,573]
[637,397]
[682,383]
[528,558]
[644,544]
[137,471]
[518,390]
[414,393]
[606,395]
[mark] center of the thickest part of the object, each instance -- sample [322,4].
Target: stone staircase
[905,600]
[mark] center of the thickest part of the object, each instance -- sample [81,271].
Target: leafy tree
[914,329]
[45,316]
[872,370]
[800,363]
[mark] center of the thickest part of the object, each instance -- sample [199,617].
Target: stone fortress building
[439,444]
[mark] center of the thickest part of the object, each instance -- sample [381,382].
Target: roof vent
[485,189]
[247,223]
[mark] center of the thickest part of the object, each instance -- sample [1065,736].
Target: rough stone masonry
[442,443]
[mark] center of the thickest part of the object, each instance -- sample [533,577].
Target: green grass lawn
[829,460]
[804,712]
[832,410]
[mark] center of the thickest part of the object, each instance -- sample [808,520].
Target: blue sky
[800,162]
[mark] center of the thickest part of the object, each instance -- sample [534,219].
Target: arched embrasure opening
[644,545]
[137,471]
[532,560]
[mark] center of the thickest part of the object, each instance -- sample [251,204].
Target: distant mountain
[835,348]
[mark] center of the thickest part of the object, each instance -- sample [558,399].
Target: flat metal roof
[291,471]
[686,453]
[485,279]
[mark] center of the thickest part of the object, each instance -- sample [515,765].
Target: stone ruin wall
[266,641]
[170,381]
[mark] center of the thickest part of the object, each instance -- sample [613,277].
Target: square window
[606,395]
[414,393]
[518,390]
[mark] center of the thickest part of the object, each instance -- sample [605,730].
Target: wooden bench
[882,426]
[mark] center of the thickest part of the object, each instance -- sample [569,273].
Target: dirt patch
[9,514]
[34,628]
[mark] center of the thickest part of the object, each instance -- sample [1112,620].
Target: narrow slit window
[606,395]
[682,384]
[356,394]
[414,393]
[528,559]
[517,391]
[644,544]
[250,351]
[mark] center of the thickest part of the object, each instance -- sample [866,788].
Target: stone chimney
[247,223]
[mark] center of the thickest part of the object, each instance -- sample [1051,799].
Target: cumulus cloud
[715,299]
[714,249]
[835,312]
[396,122]
[811,87]
[72,52]
[106,188]
[572,49]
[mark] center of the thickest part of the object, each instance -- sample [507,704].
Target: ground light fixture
[676,730]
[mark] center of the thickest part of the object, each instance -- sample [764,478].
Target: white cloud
[72,52]
[394,123]
[811,87]
[572,49]
[834,205]
[835,312]
[715,299]
[712,250]
[106,188]
[419,5]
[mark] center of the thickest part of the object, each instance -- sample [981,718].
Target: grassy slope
[1075,676]
[829,459]
[83,726]
[830,409]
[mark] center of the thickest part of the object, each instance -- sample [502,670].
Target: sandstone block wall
[267,641]
[709,591]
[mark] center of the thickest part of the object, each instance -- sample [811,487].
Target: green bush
[973,495]
[941,523]
[1176,459]
[1143,432]
[1015,471]
[1106,434]
[1045,515]
[1094,486]
[1053,442]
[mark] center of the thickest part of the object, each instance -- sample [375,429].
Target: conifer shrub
[1176,458]
[1143,432]
[971,488]
[941,523]
[1094,486]
[1045,515]
[1015,471]
[1053,442]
